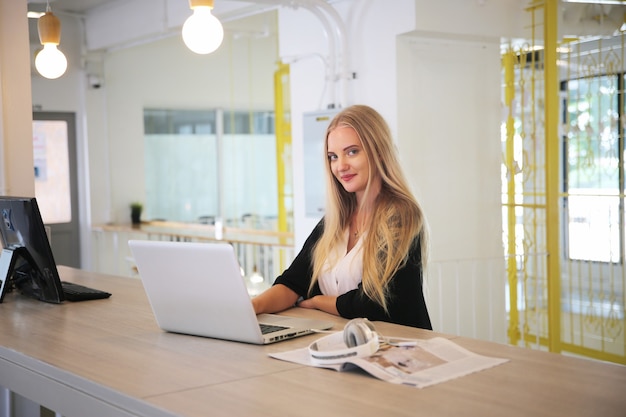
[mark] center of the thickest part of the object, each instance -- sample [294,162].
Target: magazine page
[418,363]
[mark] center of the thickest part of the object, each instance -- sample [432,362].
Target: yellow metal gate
[563,189]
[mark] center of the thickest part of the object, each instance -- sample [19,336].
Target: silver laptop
[197,289]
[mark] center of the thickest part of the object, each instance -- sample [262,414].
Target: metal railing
[261,251]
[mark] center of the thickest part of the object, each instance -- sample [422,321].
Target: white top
[347,272]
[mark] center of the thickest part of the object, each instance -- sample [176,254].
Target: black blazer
[406,304]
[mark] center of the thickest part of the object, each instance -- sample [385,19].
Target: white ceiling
[100,15]
[68,6]
[591,7]
[577,19]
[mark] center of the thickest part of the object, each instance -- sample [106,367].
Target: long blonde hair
[397,221]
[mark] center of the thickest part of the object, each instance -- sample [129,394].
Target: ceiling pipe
[342,68]
[331,62]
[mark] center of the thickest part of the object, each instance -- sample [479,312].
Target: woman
[365,257]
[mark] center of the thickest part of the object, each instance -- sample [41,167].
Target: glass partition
[206,165]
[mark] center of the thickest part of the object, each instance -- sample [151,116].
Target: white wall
[450,144]
[449,138]
[498,18]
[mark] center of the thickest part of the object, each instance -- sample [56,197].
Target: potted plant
[135,212]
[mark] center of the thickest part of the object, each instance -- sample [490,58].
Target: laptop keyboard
[269,328]
[77,292]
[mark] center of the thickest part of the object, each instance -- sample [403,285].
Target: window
[52,170]
[205,165]
[593,168]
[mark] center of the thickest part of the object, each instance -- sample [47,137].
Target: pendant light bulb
[202,32]
[50,62]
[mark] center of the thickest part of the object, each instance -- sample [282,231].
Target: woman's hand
[274,299]
[325,303]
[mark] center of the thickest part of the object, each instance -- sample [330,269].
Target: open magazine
[420,363]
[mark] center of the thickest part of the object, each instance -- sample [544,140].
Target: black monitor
[26,264]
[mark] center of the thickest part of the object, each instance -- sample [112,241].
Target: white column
[16,131]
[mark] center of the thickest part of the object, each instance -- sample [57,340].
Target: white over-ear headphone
[358,339]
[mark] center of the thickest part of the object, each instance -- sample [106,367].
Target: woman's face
[348,161]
